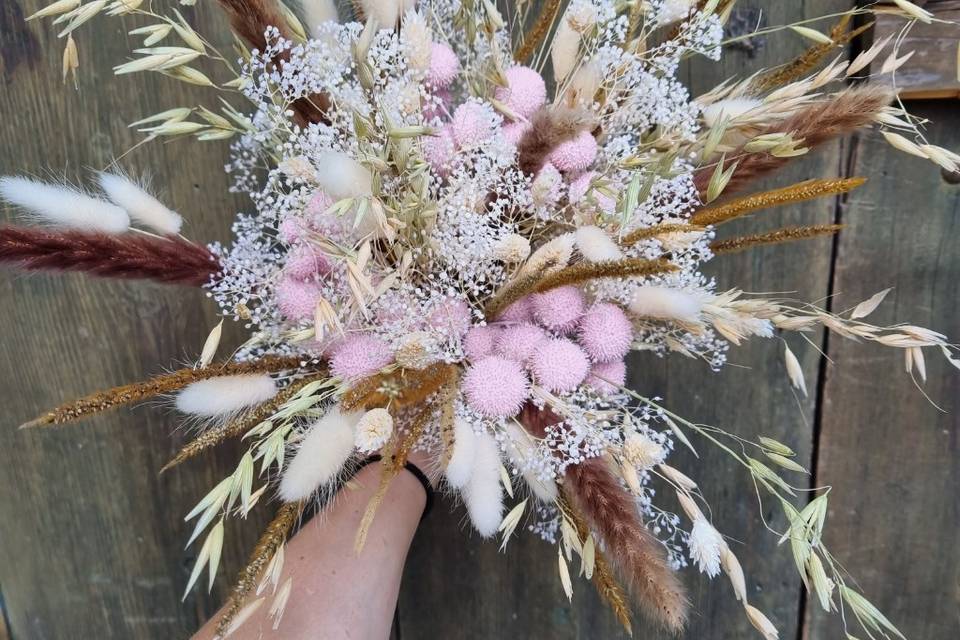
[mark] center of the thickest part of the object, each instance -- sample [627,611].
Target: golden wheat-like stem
[603,579]
[448,407]
[575,274]
[809,59]
[807,190]
[237,428]
[535,36]
[637,235]
[271,540]
[400,388]
[788,234]
[166,383]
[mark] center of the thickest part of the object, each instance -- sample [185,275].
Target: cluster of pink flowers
[552,339]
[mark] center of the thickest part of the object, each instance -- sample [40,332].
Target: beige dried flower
[414,351]
[512,249]
[373,430]
[642,452]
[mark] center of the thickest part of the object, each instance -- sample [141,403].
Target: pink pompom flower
[439,150]
[559,364]
[513,131]
[605,332]
[607,377]
[519,311]
[559,309]
[296,298]
[358,356]
[518,342]
[444,65]
[472,124]
[576,154]
[451,317]
[303,263]
[480,340]
[496,387]
[525,91]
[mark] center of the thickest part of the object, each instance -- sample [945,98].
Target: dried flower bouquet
[466,214]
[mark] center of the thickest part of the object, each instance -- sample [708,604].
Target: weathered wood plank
[455,587]
[92,537]
[891,454]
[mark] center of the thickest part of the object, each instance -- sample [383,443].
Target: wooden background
[91,538]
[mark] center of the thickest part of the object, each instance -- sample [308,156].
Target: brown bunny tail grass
[809,59]
[236,428]
[250,19]
[169,260]
[603,579]
[611,512]
[272,539]
[549,127]
[814,124]
[788,234]
[807,190]
[640,558]
[538,32]
[166,383]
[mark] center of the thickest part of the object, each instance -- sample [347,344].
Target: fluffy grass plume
[139,204]
[63,207]
[321,455]
[225,396]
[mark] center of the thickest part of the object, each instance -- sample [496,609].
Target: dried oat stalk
[661,229]
[166,383]
[533,38]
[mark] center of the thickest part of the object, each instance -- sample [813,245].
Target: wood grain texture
[892,456]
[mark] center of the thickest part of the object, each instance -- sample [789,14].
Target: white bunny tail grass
[385,12]
[63,207]
[224,396]
[321,456]
[483,493]
[520,449]
[140,205]
[564,50]
[595,245]
[463,458]
[317,12]
[728,109]
[663,303]
[342,176]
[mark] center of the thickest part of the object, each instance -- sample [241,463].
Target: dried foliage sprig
[170,260]
[814,124]
[779,236]
[271,540]
[807,190]
[448,413]
[159,385]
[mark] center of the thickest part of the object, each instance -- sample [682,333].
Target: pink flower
[296,298]
[607,377]
[472,125]
[605,332]
[525,91]
[496,387]
[452,317]
[518,342]
[444,65]
[359,355]
[519,311]
[292,230]
[575,155]
[479,341]
[439,150]
[559,309]
[559,364]
[319,203]
[303,263]
[513,131]
[579,187]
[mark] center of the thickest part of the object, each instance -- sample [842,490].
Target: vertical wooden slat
[891,454]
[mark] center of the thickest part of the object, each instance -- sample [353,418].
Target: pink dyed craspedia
[559,364]
[519,311]
[605,332]
[495,387]
[319,203]
[358,356]
[452,317]
[513,131]
[444,65]
[519,341]
[439,150]
[479,341]
[472,125]
[292,230]
[303,262]
[297,298]
[608,377]
[558,309]
[576,154]
[579,187]
[525,91]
